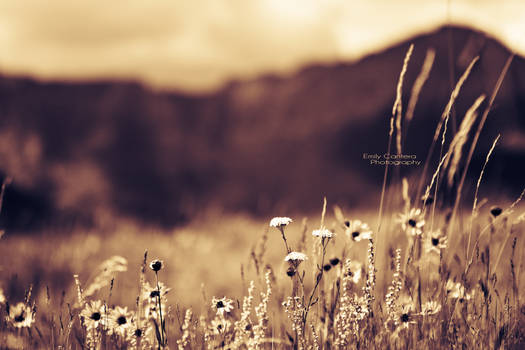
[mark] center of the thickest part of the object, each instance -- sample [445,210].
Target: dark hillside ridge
[271,145]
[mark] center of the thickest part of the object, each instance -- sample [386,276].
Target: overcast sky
[200,44]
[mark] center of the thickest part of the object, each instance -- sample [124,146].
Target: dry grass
[230,282]
[482,302]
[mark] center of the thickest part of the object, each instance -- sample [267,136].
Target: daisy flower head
[430,308]
[456,290]
[139,338]
[156,265]
[152,293]
[436,241]
[357,230]
[93,314]
[119,321]
[406,316]
[150,296]
[412,222]
[279,222]
[323,233]
[222,305]
[220,325]
[20,315]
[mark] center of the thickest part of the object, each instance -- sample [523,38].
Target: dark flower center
[121,320]
[347,223]
[138,333]
[435,241]
[219,326]
[412,222]
[290,272]
[220,304]
[355,234]
[334,261]
[405,318]
[95,316]
[154,294]
[327,267]
[20,318]
[248,327]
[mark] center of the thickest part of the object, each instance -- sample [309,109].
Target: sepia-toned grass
[409,274]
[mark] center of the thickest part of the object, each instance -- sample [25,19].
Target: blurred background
[161,111]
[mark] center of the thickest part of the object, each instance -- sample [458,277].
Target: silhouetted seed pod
[496,211]
[290,272]
[156,265]
[334,261]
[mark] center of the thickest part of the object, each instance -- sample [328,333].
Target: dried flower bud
[496,211]
[156,265]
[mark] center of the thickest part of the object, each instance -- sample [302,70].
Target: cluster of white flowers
[280,222]
[296,256]
[323,233]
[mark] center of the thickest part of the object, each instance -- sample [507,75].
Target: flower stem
[288,251]
[162,336]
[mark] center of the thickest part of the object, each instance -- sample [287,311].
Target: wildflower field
[412,273]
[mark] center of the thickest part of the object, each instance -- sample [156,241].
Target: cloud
[200,44]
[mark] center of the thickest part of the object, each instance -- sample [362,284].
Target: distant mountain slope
[269,144]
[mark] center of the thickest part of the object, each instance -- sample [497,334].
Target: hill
[268,145]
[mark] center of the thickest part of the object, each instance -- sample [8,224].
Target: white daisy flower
[435,242]
[323,233]
[152,293]
[93,314]
[357,230]
[280,222]
[220,325]
[140,338]
[295,257]
[412,222]
[150,296]
[21,315]
[222,305]
[119,321]
[406,316]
